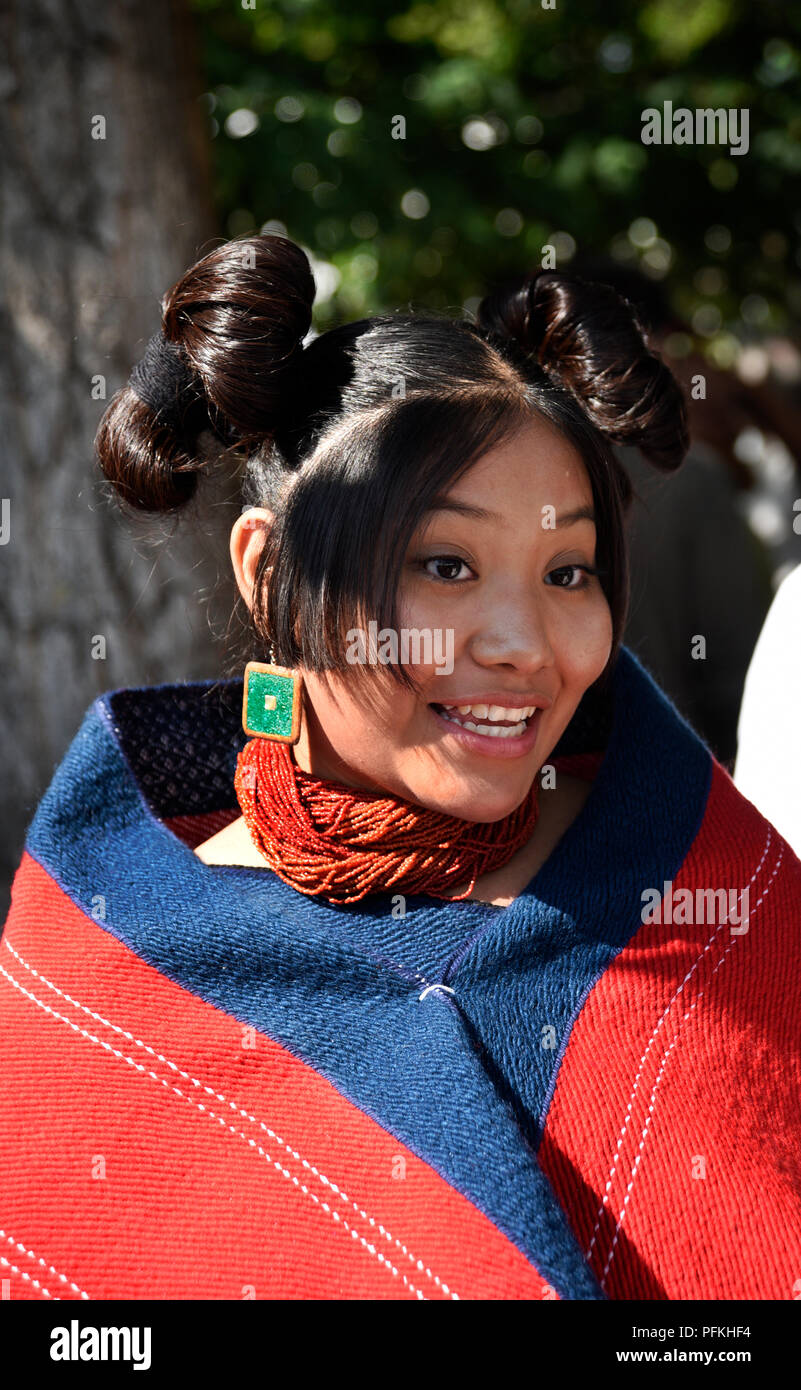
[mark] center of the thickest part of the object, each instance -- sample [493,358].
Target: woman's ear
[247,539]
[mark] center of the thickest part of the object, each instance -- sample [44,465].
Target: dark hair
[350,437]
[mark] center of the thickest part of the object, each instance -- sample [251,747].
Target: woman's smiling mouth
[498,721]
[502,730]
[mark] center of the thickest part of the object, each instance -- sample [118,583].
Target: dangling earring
[271,701]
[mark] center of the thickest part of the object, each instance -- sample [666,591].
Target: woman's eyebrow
[578,514]
[445,504]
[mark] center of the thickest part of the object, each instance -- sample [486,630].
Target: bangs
[338,547]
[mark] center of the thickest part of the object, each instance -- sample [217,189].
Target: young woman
[437,958]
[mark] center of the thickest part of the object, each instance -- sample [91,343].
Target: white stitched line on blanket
[23,1249]
[647,1125]
[331,1211]
[29,1277]
[651,1041]
[326,1182]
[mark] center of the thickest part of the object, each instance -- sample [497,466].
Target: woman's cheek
[359,718]
[581,636]
[421,604]
[597,635]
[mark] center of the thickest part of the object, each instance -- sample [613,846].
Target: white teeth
[489,730]
[494,711]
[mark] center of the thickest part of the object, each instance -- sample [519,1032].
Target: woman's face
[498,575]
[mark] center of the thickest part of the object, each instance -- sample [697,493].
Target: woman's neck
[559,806]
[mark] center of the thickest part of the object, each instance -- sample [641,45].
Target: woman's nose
[517,637]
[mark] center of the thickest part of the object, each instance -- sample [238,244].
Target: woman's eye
[566,573]
[447,567]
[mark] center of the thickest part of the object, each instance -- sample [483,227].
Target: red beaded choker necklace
[341,843]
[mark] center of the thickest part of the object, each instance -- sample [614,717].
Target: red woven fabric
[678,1091]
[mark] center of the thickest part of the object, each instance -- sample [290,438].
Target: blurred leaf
[678,28]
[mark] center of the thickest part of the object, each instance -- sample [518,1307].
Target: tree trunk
[93,233]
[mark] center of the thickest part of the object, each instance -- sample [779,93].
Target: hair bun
[167,384]
[227,357]
[590,339]
[241,315]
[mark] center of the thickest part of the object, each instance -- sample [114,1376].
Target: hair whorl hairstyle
[239,317]
[591,340]
[351,439]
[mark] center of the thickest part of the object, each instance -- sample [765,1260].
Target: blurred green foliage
[522,128]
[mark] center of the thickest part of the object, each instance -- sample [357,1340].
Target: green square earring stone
[269,703]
